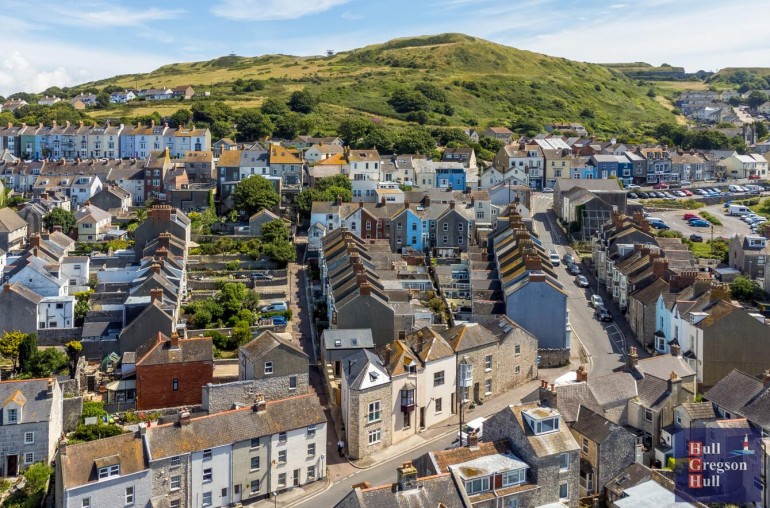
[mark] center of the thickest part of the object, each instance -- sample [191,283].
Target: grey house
[32,416]
[336,345]
[280,365]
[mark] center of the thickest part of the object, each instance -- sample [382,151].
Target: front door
[236,493]
[475,392]
[422,418]
[13,465]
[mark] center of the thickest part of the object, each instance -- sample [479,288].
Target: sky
[63,43]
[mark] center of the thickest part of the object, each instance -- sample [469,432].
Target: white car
[596,301]
[632,186]
[275,307]
[476,425]
[548,189]
[554,257]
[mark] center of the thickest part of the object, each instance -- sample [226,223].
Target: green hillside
[462,81]
[754,78]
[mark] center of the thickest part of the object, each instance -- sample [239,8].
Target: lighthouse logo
[718,464]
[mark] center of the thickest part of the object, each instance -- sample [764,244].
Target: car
[573,269]
[660,225]
[275,307]
[716,191]
[633,195]
[757,220]
[686,192]
[669,195]
[632,186]
[596,301]
[474,426]
[554,257]
[548,189]
[643,195]
[690,216]
[749,217]
[602,314]
[700,223]
[679,193]
[568,258]
[660,186]
[685,182]
[701,192]
[581,281]
[696,238]
[279,321]
[261,276]
[754,177]
[659,194]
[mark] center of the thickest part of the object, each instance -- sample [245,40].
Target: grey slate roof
[354,367]
[36,403]
[742,394]
[433,491]
[593,425]
[10,220]
[699,410]
[353,338]
[266,342]
[662,366]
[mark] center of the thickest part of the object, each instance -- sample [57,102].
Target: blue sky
[62,43]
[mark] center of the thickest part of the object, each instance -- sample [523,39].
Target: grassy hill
[475,82]
[755,77]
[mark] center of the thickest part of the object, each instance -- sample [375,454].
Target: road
[605,342]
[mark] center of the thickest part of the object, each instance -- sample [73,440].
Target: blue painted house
[408,231]
[450,177]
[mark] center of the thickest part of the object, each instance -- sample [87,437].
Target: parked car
[660,225]
[261,276]
[679,193]
[696,238]
[476,425]
[685,182]
[632,186]
[633,195]
[690,216]
[554,257]
[602,314]
[700,223]
[279,321]
[686,192]
[275,307]
[701,192]
[669,195]
[568,258]
[596,301]
[548,189]
[660,186]
[573,269]
[581,281]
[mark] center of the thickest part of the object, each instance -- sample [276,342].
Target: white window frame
[268,368]
[176,479]
[206,499]
[29,457]
[254,483]
[29,438]
[374,436]
[252,466]
[85,503]
[374,412]
[564,462]
[282,456]
[130,495]
[207,454]
[208,475]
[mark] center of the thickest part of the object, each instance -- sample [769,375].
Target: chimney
[164,241]
[155,268]
[675,350]
[617,219]
[548,397]
[364,289]
[407,476]
[6,287]
[532,262]
[451,204]
[766,378]
[638,217]
[360,204]
[581,374]
[175,340]
[382,200]
[34,241]
[156,295]
[645,226]
[142,428]
[719,291]
[49,388]
[473,440]
[184,418]
[57,228]
[701,284]
[426,200]
[674,386]
[632,359]
[659,267]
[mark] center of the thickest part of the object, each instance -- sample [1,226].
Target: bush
[93,432]
[709,217]
[37,476]
[5,484]
[93,408]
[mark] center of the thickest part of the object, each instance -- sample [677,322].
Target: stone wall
[222,397]
[72,410]
[358,426]
[162,471]
[550,358]
[58,336]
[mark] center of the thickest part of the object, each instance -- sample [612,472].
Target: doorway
[12,465]
[236,493]
[475,392]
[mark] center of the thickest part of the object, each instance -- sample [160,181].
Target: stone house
[32,422]
[106,472]
[365,403]
[336,345]
[277,363]
[740,395]
[13,230]
[171,372]
[605,449]
[539,436]
[161,219]
[112,197]
[259,219]
[749,254]
[19,308]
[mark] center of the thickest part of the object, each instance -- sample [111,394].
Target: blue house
[450,177]
[408,231]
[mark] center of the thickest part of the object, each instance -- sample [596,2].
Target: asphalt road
[604,341]
[729,228]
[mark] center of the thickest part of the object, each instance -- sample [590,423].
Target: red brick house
[171,371]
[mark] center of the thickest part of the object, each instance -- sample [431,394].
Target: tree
[302,101]
[255,193]
[414,140]
[82,306]
[221,129]
[37,476]
[273,107]
[241,333]
[290,125]
[325,189]
[276,244]
[46,362]
[761,129]
[743,288]
[60,217]
[254,125]
[93,432]
[405,101]
[181,117]
[73,349]
[102,99]
[27,352]
[756,99]
[10,344]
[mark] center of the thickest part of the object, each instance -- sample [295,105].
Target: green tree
[82,306]
[282,253]
[93,408]
[27,352]
[241,333]
[743,288]
[291,125]
[414,140]
[46,362]
[10,344]
[273,107]
[353,130]
[60,217]
[756,99]
[73,349]
[761,128]
[103,99]
[255,193]
[221,129]
[85,432]
[37,476]
[181,117]
[254,125]
[406,101]
[302,101]
[325,189]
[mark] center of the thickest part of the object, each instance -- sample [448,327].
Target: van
[474,426]
[735,188]
[738,210]
[754,189]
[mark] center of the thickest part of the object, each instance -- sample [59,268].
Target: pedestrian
[340,447]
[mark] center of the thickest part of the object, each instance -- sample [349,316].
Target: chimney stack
[766,377]
[175,340]
[675,349]
[259,403]
[57,228]
[473,440]
[659,267]
[184,418]
[548,397]
[407,476]
[49,388]
[674,386]
[364,289]
[155,268]
[156,295]
[426,200]
[581,374]
[720,291]
[34,241]
[632,359]
[6,287]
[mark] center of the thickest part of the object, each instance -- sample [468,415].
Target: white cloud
[264,10]
[110,16]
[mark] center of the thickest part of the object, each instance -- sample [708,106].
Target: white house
[56,312]
[93,223]
[31,272]
[122,97]
[83,188]
[321,151]
[751,165]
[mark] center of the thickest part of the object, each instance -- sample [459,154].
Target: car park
[573,269]
[696,238]
[581,281]
[602,314]
[554,257]
[596,301]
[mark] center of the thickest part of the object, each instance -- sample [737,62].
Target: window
[446,226]
[175,503]
[129,495]
[86,503]
[268,368]
[310,473]
[439,407]
[517,350]
[224,492]
[281,437]
[374,412]
[515,477]
[296,477]
[564,491]
[374,436]
[517,369]
[488,362]
[254,463]
[564,462]
[648,415]
[487,386]
[107,472]
[438,378]
[206,499]
[29,437]
[512,503]
[282,457]
[255,442]
[282,480]
[292,382]
[207,454]
[254,486]
[311,449]
[29,458]
[13,414]
[175,384]
[407,419]
[175,461]
[207,475]
[476,486]
[176,482]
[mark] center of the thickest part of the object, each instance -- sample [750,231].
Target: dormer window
[542,420]
[13,416]
[476,486]
[109,471]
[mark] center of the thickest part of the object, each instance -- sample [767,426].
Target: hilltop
[472,82]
